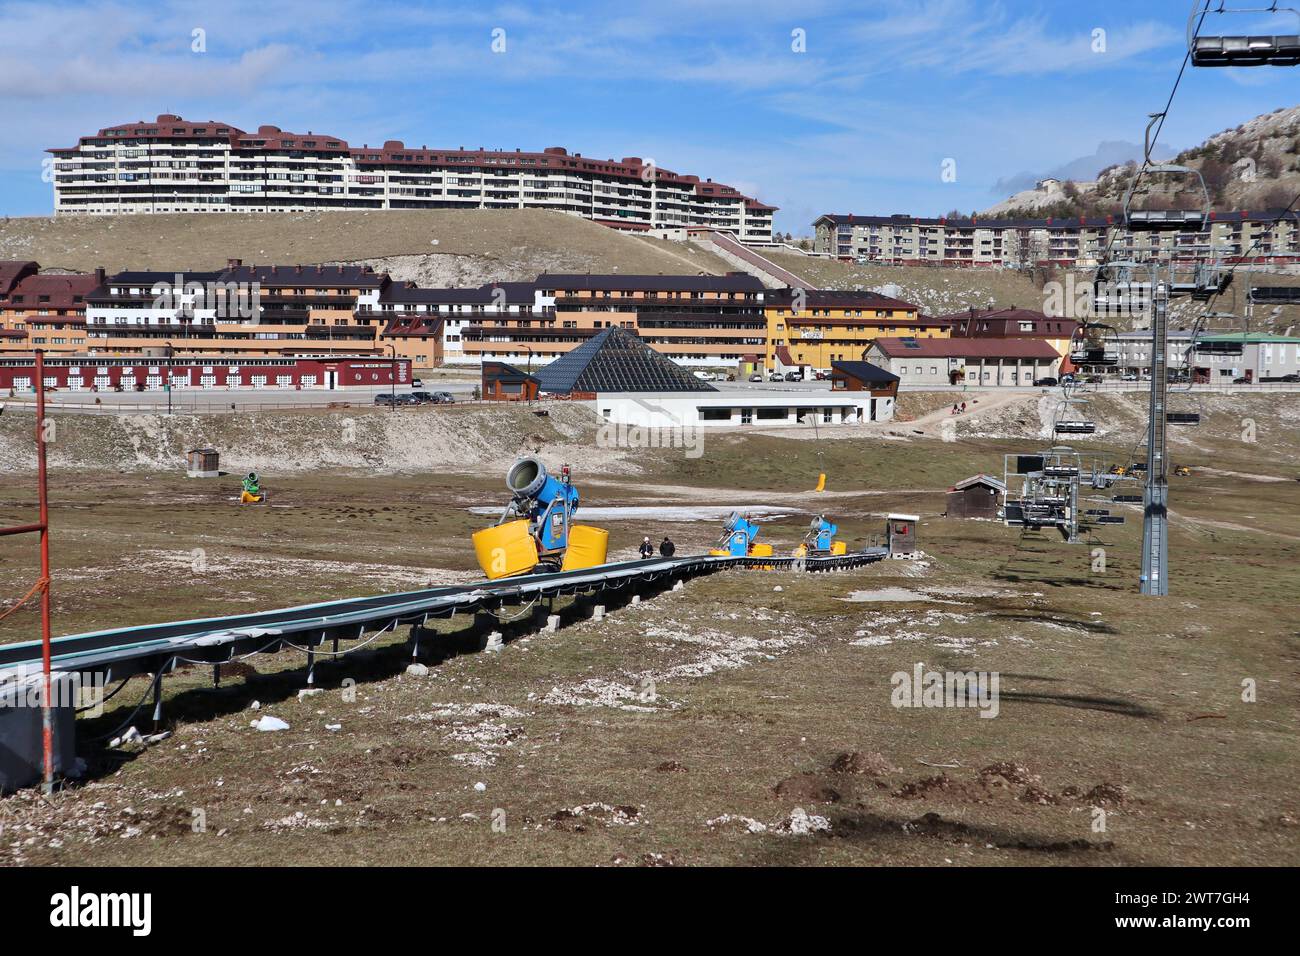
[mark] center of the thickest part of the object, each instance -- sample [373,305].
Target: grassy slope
[1107,699]
[198,241]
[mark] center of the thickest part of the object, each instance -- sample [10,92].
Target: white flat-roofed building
[743,408]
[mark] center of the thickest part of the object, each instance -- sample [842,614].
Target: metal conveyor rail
[121,652]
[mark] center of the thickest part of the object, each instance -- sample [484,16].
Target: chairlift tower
[1155,496]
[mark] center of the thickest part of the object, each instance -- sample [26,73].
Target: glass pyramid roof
[617,360]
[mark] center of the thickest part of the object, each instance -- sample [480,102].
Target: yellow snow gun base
[587,548]
[505,549]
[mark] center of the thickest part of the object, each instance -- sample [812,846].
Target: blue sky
[860,121]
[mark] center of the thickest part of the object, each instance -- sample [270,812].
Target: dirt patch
[940,783]
[1009,780]
[579,819]
[237,669]
[806,788]
[1010,772]
[1106,795]
[868,764]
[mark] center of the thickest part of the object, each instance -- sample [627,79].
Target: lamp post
[171,350]
[530,372]
[392,348]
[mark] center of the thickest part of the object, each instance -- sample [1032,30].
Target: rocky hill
[1254,166]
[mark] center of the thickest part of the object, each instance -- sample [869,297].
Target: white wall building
[743,408]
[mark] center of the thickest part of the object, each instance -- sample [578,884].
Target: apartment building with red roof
[172,165]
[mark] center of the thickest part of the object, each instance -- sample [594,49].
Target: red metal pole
[47,722]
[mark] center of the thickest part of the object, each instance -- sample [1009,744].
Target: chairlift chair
[1211,279]
[1239,49]
[1094,344]
[1116,290]
[1165,220]
[1218,347]
[1075,428]
[1061,471]
[1275,295]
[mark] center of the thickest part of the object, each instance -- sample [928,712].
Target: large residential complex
[910,240]
[221,323]
[175,165]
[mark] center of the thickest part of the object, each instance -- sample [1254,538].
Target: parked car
[416,383]
[756,377]
[1129,377]
[794,376]
[388,398]
[775,377]
[1045,382]
[423,398]
[444,398]
[821,375]
[1242,380]
[705,376]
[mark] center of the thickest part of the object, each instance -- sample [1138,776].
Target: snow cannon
[737,540]
[251,492]
[536,530]
[820,539]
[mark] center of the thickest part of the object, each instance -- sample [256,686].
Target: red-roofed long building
[975,361]
[1014,323]
[172,165]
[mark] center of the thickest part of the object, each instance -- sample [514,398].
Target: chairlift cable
[1146,158]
